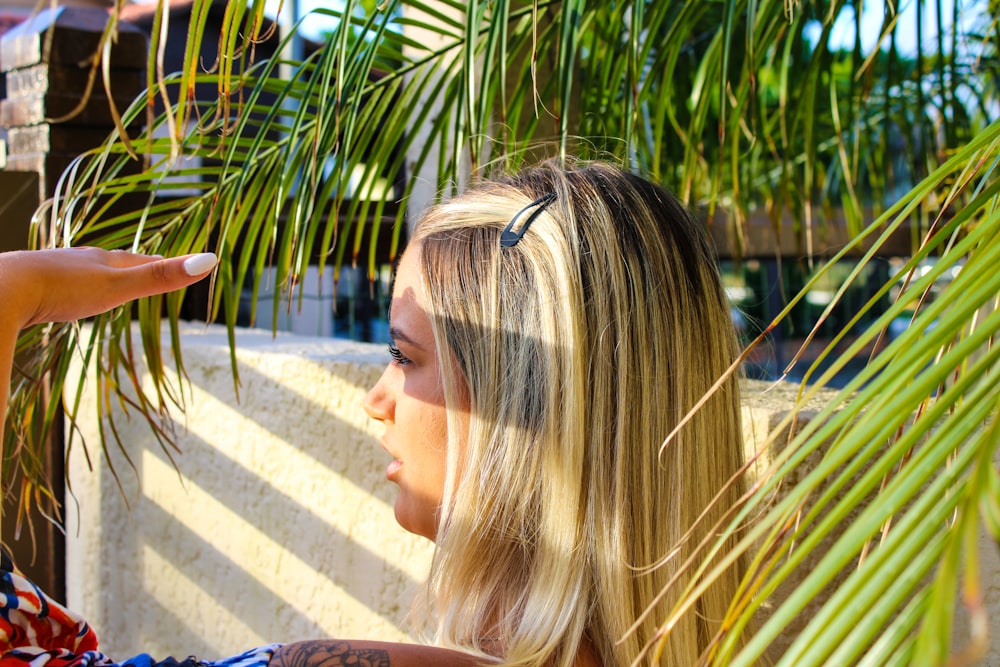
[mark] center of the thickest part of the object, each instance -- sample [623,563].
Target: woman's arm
[338,653]
[60,285]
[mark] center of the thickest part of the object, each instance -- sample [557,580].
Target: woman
[550,330]
[532,384]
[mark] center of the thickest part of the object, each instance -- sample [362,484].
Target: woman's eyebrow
[397,334]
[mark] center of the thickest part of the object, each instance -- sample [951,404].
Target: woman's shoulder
[336,652]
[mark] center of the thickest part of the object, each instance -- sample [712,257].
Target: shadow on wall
[275,525]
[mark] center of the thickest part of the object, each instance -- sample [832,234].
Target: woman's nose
[378,403]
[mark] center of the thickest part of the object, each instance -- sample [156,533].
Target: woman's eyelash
[397,356]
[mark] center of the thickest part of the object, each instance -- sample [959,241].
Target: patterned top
[36,631]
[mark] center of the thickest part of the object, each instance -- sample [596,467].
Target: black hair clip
[509,238]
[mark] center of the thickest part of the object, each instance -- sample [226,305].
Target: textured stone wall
[277,522]
[52,113]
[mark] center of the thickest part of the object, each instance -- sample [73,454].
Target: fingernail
[195,265]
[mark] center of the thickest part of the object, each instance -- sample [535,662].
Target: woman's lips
[393,468]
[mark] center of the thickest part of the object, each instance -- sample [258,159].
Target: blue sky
[906,33]
[315,25]
[843,35]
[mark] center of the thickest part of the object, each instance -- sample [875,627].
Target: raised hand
[59,285]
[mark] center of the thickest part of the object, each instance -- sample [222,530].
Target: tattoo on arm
[328,654]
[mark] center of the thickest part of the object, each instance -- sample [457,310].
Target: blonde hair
[578,351]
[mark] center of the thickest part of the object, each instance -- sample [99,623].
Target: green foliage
[742,107]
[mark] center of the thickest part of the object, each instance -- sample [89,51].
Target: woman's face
[409,401]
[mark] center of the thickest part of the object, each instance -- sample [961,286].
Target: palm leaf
[730,104]
[903,456]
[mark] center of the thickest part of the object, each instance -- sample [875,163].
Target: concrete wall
[276,525]
[277,522]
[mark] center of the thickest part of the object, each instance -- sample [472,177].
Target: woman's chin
[411,522]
